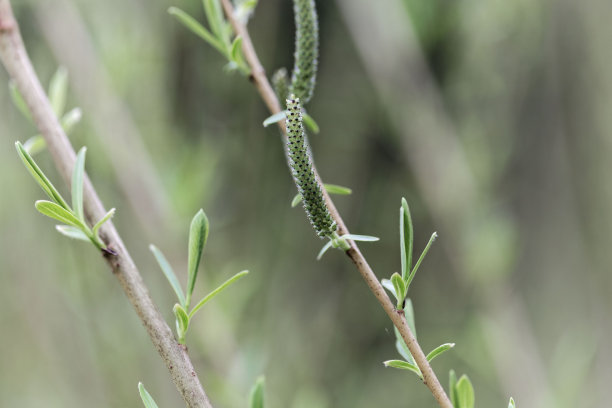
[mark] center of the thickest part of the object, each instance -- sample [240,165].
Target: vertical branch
[16,61]
[270,99]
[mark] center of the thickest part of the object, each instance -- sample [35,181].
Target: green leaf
[511,403]
[198,233]
[40,177]
[400,344]
[277,117]
[70,119]
[409,313]
[400,288]
[310,123]
[465,392]
[324,249]
[58,213]
[215,292]
[363,238]
[452,387]
[107,217]
[406,239]
[58,89]
[439,350]
[18,100]
[169,273]
[216,21]
[197,28]
[235,50]
[72,232]
[296,200]
[423,254]
[77,184]
[182,322]
[257,393]
[336,189]
[35,145]
[403,365]
[389,286]
[147,400]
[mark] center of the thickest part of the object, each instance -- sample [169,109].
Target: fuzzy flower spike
[303,172]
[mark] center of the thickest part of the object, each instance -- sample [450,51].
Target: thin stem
[16,61]
[269,97]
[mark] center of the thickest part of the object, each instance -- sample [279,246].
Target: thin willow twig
[258,77]
[16,61]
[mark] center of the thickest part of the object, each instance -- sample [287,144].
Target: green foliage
[198,234]
[256,399]
[219,36]
[511,403]
[147,399]
[58,209]
[306,55]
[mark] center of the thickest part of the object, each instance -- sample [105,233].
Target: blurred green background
[491,117]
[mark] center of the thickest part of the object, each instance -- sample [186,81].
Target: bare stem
[14,57]
[262,84]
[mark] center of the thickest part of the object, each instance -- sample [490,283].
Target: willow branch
[16,61]
[258,77]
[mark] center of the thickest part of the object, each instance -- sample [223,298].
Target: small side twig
[270,99]
[16,61]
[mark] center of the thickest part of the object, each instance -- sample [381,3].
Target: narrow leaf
[39,176]
[409,313]
[196,28]
[296,200]
[198,233]
[277,117]
[406,239]
[35,145]
[324,249]
[439,350]
[363,238]
[400,288]
[310,123]
[235,50]
[257,393]
[423,254]
[452,387]
[146,398]
[107,217]
[511,403]
[389,286]
[72,232]
[18,100]
[58,89]
[465,392]
[71,118]
[77,184]
[58,213]
[336,189]
[215,19]
[402,348]
[182,322]
[168,273]
[403,365]
[215,292]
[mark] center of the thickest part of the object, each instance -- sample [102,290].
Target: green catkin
[306,54]
[280,82]
[303,172]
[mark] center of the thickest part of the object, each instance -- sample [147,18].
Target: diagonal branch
[14,57]
[258,77]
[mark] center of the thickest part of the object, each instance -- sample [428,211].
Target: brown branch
[14,57]
[269,97]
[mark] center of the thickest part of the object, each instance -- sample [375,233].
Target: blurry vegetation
[492,118]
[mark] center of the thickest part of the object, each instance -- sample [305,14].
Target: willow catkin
[303,172]
[306,54]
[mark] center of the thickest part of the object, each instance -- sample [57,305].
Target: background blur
[491,117]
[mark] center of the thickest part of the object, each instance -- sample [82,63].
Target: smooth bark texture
[14,57]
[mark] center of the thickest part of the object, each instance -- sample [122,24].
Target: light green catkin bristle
[280,81]
[303,172]
[306,54]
